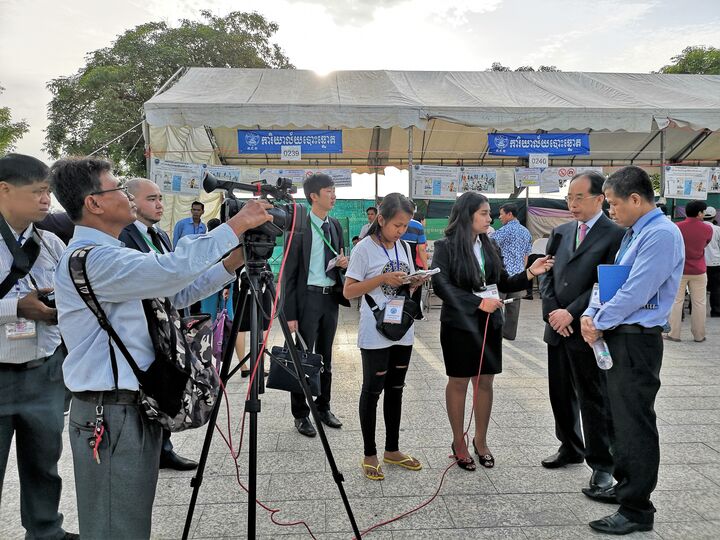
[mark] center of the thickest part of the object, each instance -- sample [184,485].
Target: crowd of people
[52,342]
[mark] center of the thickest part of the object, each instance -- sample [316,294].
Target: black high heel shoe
[486,460]
[467,464]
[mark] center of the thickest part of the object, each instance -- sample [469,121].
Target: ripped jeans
[383,369]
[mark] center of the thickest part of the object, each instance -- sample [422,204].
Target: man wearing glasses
[575,382]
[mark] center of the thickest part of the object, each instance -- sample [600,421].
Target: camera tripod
[255,277]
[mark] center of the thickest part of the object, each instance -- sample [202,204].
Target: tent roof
[271,98]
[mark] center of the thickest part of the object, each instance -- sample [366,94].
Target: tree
[497,66]
[104,99]
[10,132]
[697,59]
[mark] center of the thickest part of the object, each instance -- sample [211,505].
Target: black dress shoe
[170,460]
[603,495]
[601,479]
[305,427]
[560,459]
[527,297]
[329,419]
[619,524]
[71,536]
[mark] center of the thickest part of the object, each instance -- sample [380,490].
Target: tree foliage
[497,66]
[697,59]
[105,97]
[10,132]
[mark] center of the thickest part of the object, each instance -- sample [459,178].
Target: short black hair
[355,238]
[197,203]
[22,170]
[314,183]
[374,209]
[418,216]
[628,180]
[596,181]
[73,179]
[510,208]
[695,208]
[214,223]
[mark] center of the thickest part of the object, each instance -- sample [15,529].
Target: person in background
[696,235]
[421,256]
[380,264]
[355,240]
[31,354]
[190,225]
[470,281]
[515,243]
[712,260]
[58,223]
[371,215]
[536,252]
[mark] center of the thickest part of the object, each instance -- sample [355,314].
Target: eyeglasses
[121,188]
[579,198]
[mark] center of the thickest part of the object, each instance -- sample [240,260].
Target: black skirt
[462,351]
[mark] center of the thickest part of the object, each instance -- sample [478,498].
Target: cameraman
[115,492]
[32,395]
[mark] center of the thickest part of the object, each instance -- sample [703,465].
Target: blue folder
[611,277]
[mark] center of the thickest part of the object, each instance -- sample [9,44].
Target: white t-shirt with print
[368,261]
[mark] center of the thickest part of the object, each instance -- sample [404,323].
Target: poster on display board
[176,177]
[505,180]
[341,177]
[481,179]
[714,180]
[525,177]
[563,175]
[687,182]
[434,182]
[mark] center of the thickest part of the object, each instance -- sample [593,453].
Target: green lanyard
[150,244]
[324,238]
[482,262]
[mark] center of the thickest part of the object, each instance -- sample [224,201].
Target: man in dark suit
[313,292]
[576,383]
[145,236]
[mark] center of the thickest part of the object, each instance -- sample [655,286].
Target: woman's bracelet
[533,274]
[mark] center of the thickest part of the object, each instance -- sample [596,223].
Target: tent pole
[376,184]
[410,160]
[662,162]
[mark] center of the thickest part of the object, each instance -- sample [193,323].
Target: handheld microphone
[554,245]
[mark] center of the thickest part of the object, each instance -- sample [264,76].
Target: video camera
[261,240]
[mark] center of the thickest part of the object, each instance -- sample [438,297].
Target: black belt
[110,397]
[635,329]
[32,364]
[320,290]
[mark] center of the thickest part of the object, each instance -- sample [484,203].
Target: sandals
[372,472]
[467,463]
[409,463]
[486,460]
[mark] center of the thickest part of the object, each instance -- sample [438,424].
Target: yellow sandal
[372,472]
[405,463]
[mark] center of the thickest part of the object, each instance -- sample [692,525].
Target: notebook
[611,277]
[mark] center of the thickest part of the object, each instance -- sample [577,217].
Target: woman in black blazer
[471,275]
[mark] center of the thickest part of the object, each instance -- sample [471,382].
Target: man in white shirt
[712,260]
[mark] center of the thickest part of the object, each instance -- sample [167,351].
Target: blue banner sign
[554,144]
[270,142]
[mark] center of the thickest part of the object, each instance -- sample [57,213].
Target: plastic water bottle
[602,354]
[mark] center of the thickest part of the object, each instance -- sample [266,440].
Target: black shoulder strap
[23,257]
[78,273]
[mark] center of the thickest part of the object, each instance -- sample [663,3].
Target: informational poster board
[341,177]
[525,177]
[687,182]
[714,186]
[563,175]
[176,177]
[435,182]
[482,179]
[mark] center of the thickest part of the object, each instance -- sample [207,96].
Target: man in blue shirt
[632,330]
[115,477]
[515,243]
[190,225]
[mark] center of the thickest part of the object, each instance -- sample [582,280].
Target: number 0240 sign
[538,161]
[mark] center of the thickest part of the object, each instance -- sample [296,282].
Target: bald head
[148,200]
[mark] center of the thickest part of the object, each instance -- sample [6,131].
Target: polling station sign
[553,144]
[272,142]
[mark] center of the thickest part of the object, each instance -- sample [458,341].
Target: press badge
[394,310]
[595,297]
[22,329]
[491,291]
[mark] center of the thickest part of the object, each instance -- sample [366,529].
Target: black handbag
[282,369]
[395,331]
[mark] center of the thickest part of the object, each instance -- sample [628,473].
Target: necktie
[329,255]
[624,245]
[583,233]
[20,240]
[155,239]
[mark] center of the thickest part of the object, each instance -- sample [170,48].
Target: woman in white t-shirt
[379,265]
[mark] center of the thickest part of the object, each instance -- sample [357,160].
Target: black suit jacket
[298,265]
[133,238]
[568,285]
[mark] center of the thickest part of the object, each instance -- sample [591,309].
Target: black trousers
[383,370]
[632,384]
[317,326]
[577,386]
[713,287]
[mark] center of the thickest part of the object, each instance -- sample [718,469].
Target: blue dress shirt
[186,227]
[657,257]
[121,277]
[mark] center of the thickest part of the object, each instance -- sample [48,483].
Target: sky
[44,39]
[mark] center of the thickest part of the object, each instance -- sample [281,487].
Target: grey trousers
[115,497]
[512,314]
[31,409]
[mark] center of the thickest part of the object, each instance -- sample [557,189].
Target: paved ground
[518,499]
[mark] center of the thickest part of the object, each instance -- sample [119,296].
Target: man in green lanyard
[313,291]
[144,235]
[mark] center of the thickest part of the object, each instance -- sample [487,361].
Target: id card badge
[491,291]
[22,329]
[394,310]
[332,263]
[595,297]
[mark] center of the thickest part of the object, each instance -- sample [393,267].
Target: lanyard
[397,258]
[324,238]
[150,244]
[625,246]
